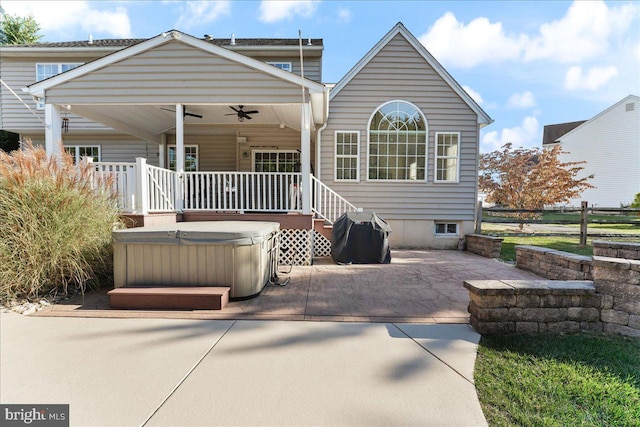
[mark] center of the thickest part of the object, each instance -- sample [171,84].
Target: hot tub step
[185,298]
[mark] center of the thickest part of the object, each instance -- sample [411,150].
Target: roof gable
[483,117]
[601,114]
[38,89]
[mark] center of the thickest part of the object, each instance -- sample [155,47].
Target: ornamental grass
[56,220]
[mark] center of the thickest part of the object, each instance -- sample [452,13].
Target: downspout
[318,167]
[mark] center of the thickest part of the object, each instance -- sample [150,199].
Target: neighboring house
[610,144]
[397,135]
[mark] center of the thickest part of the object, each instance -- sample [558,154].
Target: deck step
[178,297]
[322,227]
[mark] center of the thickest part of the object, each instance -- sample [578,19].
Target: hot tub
[237,254]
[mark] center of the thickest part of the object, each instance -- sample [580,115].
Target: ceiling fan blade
[166,109]
[193,115]
[231,114]
[248,117]
[234,109]
[252,112]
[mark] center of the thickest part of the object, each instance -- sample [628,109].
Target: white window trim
[257,150]
[40,105]
[426,155]
[446,234]
[288,64]
[436,157]
[170,146]
[336,156]
[77,158]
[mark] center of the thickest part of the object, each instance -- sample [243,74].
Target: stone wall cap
[617,245]
[604,261]
[528,287]
[489,287]
[535,248]
[484,236]
[571,287]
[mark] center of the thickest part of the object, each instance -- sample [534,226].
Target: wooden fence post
[583,223]
[479,218]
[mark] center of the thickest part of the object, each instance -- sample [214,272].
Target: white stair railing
[328,204]
[162,189]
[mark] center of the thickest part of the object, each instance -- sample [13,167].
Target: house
[246,127]
[610,144]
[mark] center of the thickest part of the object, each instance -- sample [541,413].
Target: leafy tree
[18,30]
[636,202]
[529,179]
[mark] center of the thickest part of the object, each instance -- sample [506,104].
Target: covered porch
[232,133]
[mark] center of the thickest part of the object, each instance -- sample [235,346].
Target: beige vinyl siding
[116,148]
[312,66]
[398,72]
[19,73]
[174,73]
[266,138]
[216,153]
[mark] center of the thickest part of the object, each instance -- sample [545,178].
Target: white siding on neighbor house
[18,73]
[610,144]
[398,72]
[175,73]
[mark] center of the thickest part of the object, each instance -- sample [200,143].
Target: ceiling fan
[184,113]
[241,113]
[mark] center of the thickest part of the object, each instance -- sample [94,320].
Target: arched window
[397,143]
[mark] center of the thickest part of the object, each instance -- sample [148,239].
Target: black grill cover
[360,238]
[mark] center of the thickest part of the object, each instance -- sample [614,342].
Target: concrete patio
[419,286]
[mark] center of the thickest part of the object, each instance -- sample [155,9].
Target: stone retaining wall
[616,249]
[553,264]
[486,246]
[533,306]
[618,282]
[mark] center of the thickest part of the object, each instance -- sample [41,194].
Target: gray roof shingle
[552,133]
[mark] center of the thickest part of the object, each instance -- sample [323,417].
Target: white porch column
[53,129]
[142,186]
[305,157]
[179,138]
[162,150]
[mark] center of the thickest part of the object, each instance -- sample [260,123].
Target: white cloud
[583,33]
[201,12]
[454,43]
[521,100]
[344,15]
[592,80]
[526,135]
[277,10]
[586,31]
[61,16]
[473,94]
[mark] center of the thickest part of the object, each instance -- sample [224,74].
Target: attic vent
[630,107]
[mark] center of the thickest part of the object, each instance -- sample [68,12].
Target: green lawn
[570,218]
[585,379]
[561,243]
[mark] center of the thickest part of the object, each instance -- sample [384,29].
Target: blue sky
[527,63]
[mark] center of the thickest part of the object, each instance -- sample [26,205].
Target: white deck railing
[123,179]
[143,188]
[328,204]
[242,191]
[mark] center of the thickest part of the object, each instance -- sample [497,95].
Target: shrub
[57,219]
[636,202]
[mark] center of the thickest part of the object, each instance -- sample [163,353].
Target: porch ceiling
[149,121]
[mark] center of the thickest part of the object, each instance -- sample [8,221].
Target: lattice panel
[321,245]
[295,247]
